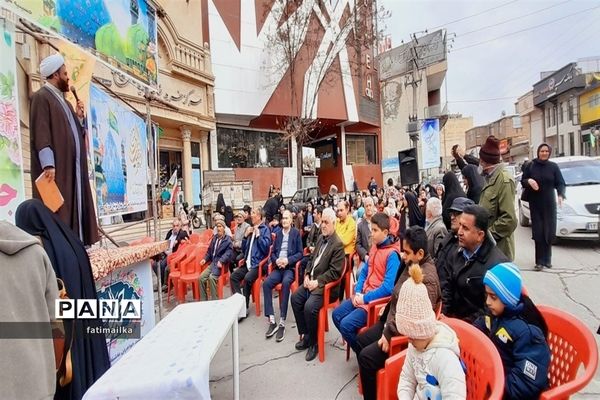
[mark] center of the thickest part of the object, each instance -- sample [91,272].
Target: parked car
[305,195]
[580,212]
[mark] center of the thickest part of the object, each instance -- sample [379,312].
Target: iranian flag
[172,186]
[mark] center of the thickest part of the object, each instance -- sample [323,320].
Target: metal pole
[152,143]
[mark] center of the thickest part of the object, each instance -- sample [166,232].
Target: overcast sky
[507,66]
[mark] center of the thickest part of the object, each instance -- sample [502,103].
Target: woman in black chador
[71,263]
[540,179]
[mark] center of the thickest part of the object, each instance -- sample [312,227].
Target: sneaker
[302,345]
[280,333]
[549,266]
[538,267]
[312,353]
[272,330]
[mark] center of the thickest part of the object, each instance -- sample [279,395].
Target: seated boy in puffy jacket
[432,368]
[518,330]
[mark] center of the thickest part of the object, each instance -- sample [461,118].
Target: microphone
[74,91]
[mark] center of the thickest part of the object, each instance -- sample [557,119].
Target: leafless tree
[316,33]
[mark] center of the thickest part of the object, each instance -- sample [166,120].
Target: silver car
[580,212]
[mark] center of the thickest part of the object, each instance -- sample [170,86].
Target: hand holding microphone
[80,110]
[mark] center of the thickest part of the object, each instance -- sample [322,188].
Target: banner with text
[12,191]
[119,151]
[430,144]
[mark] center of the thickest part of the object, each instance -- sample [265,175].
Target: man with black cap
[58,149]
[498,196]
[449,244]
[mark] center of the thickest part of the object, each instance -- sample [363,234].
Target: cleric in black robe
[540,179]
[71,264]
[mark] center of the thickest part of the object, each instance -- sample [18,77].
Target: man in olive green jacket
[498,197]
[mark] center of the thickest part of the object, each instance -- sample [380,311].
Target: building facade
[454,132]
[531,120]
[183,111]
[406,95]
[589,115]
[323,81]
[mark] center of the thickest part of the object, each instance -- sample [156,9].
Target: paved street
[271,370]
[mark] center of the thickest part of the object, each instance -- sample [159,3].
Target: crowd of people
[430,249]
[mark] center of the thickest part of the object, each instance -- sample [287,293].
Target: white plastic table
[172,361]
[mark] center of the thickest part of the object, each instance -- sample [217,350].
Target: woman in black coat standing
[453,190]
[540,179]
[474,182]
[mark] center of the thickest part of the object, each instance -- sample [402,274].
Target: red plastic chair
[324,312]
[373,309]
[572,345]
[190,275]
[484,370]
[174,261]
[223,279]
[258,282]
[195,238]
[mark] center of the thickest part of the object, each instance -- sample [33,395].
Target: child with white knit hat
[518,330]
[432,368]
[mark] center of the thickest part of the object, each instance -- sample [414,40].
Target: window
[361,149]
[241,148]
[570,111]
[553,116]
[571,143]
[561,146]
[560,113]
[547,111]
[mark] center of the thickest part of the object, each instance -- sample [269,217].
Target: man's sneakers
[280,333]
[272,329]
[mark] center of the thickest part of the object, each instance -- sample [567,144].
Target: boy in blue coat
[219,253]
[518,330]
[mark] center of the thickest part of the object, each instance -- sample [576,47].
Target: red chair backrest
[572,345]
[485,373]
[188,265]
[195,238]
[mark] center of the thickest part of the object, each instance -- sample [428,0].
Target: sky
[486,79]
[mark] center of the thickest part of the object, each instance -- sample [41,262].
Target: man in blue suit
[287,251]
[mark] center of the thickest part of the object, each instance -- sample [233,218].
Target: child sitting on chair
[432,368]
[518,330]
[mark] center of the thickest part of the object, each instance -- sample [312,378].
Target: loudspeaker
[409,166]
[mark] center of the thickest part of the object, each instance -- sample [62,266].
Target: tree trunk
[299,161]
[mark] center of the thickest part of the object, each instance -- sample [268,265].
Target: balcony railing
[436,111]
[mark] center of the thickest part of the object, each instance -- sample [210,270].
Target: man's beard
[63,85]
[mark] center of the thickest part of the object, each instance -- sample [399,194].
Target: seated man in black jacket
[463,294]
[175,236]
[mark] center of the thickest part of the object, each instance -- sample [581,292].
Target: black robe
[542,204]
[71,264]
[452,190]
[475,182]
[50,128]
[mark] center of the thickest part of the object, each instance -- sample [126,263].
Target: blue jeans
[349,319]
[285,277]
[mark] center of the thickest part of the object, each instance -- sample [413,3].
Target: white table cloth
[172,361]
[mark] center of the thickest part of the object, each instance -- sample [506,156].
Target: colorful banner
[132,282]
[12,190]
[123,32]
[120,161]
[80,66]
[430,144]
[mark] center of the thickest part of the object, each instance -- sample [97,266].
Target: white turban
[51,64]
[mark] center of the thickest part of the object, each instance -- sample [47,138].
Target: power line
[475,15]
[524,30]
[512,19]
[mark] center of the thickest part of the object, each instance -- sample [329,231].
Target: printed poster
[12,190]
[120,157]
[122,32]
[430,143]
[80,66]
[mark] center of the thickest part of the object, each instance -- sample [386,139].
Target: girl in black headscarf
[71,263]
[415,215]
[474,182]
[453,190]
[541,178]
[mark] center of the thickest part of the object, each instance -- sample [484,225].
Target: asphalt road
[271,370]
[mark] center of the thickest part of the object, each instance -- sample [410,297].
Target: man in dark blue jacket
[219,254]
[287,251]
[256,244]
